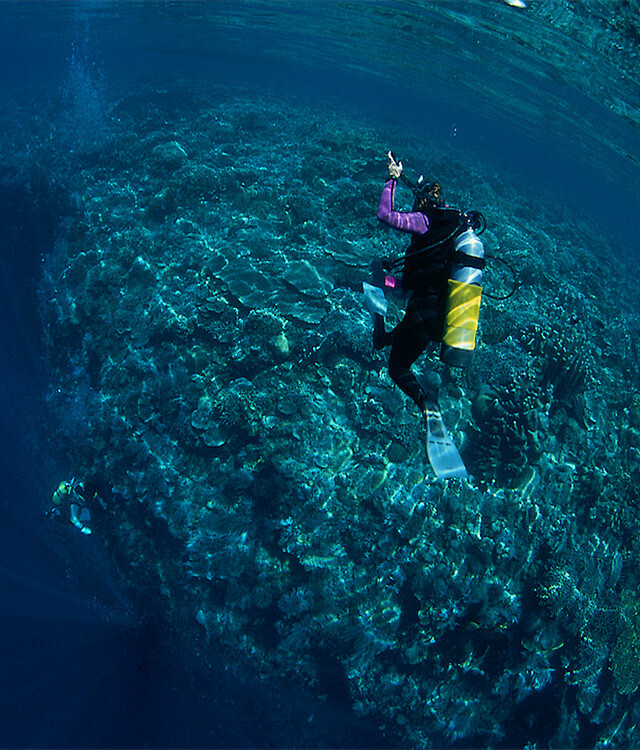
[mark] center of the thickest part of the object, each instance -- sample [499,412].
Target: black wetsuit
[425,274]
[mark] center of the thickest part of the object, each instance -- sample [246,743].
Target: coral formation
[625,658]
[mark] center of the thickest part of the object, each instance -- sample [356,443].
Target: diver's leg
[410,339]
[79,515]
[381,337]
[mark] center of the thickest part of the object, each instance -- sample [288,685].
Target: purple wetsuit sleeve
[406,221]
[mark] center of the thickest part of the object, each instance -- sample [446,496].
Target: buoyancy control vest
[426,260]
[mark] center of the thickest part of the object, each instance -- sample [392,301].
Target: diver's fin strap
[374,299]
[441,451]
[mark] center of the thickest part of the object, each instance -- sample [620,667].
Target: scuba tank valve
[463,301]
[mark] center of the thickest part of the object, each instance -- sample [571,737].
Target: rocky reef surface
[212,371]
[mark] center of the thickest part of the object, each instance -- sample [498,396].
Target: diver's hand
[395,167]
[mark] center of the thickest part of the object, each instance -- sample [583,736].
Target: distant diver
[72,497]
[442,273]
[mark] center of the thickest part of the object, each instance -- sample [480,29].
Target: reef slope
[211,367]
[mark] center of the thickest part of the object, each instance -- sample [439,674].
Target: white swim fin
[375,300]
[441,450]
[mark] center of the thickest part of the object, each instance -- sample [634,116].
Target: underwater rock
[197,359]
[398,453]
[483,405]
[304,277]
[281,345]
[625,658]
[215,436]
[162,204]
[170,156]
[302,312]
[288,404]
[197,182]
[250,287]
[263,322]
[141,271]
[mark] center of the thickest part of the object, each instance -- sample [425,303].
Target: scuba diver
[74,495]
[442,271]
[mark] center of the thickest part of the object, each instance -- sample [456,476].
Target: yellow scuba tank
[60,495]
[463,300]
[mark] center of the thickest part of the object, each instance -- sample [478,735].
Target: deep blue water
[81,667]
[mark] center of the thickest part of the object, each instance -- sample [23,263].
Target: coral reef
[211,364]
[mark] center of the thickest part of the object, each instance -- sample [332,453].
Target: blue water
[82,666]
